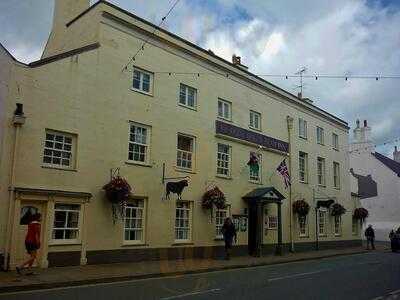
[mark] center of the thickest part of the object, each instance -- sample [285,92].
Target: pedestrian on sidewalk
[370,235]
[229,232]
[32,243]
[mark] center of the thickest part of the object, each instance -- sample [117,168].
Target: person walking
[32,243]
[229,232]
[370,235]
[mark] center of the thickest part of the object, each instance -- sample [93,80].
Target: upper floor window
[188,96]
[185,152]
[303,167]
[224,109]
[255,120]
[139,139]
[142,81]
[321,171]
[335,141]
[320,135]
[336,175]
[223,160]
[66,222]
[134,222]
[302,128]
[59,149]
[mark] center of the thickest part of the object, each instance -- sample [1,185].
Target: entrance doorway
[253,232]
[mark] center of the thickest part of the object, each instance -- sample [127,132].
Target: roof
[9,54]
[264,193]
[289,95]
[388,162]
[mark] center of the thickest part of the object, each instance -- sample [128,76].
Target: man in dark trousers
[370,235]
[229,232]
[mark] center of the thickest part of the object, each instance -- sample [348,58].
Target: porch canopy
[256,199]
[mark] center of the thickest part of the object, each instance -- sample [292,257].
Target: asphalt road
[364,276]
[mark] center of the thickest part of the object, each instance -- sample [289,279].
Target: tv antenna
[300,73]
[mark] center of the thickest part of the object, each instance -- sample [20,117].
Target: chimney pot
[19,111]
[365,123]
[299,95]
[358,123]
[236,60]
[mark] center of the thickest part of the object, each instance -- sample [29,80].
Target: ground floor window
[303,225]
[338,225]
[134,221]
[220,216]
[355,226]
[66,222]
[322,222]
[182,221]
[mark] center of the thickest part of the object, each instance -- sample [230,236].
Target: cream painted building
[176,105]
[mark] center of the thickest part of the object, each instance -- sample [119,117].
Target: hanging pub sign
[253,162]
[176,188]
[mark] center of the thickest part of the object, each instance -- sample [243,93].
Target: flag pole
[289,120]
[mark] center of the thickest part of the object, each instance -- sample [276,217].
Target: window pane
[136,79]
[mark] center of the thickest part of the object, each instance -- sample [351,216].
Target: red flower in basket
[214,196]
[117,190]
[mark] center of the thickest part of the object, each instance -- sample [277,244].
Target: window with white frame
[58,149]
[302,225]
[321,171]
[134,222]
[223,160]
[302,128]
[322,222]
[255,120]
[220,216]
[66,222]
[142,81]
[139,139]
[187,96]
[355,226]
[320,135]
[303,167]
[255,173]
[224,109]
[336,175]
[337,225]
[335,141]
[182,221]
[185,152]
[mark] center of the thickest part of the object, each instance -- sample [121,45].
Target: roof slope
[388,162]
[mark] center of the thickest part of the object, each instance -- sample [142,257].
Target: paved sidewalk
[80,275]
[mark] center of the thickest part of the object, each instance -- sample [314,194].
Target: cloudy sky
[273,37]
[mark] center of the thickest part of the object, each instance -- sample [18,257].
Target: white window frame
[323,212]
[220,216]
[139,143]
[187,208]
[225,104]
[302,128]
[187,88]
[181,154]
[252,120]
[224,158]
[320,135]
[141,80]
[77,240]
[335,141]
[336,175]
[303,226]
[139,205]
[259,180]
[64,144]
[305,171]
[337,225]
[321,174]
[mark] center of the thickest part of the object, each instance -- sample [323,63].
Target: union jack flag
[283,170]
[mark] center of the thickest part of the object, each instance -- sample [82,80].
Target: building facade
[176,112]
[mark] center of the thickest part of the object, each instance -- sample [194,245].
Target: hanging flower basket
[360,213]
[337,210]
[214,197]
[118,191]
[301,207]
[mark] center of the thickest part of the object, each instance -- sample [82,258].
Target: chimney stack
[365,133]
[357,132]
[237,61]
[396,154]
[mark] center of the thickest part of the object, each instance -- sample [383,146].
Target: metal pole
[290,126]
[316,223]
[279,246]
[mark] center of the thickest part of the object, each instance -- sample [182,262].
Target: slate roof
[388,162]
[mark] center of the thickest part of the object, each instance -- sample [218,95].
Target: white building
[378,182]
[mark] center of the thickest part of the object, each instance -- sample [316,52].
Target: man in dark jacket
[229,232]
[370,235]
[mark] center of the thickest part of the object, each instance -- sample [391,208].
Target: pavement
[106,273]
[372,275]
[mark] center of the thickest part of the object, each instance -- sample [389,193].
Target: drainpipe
[290,127]
[18,121]
[316,222]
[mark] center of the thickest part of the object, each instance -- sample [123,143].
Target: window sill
[59,168]
[136,163]
[303,182]
[337,235]
[64,243]
[321,144]
[303,137]
[223,119]
[182,170]
[142,92]
[337,188]
[335,149]
[322,185]
[224,177]
[322,235]
[177,243]
[255,129]
[304,236]
[187,106]
[126,244]
[255,182]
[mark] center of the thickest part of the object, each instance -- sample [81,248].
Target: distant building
[377,181]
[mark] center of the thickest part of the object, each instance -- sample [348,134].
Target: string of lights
[145,42]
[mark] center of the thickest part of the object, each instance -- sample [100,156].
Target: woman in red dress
[32,241]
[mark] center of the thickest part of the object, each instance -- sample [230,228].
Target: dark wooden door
[252,231]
